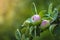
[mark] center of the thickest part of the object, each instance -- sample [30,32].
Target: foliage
[35,29]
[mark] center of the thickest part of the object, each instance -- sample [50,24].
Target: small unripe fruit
[45,24]
[36,19]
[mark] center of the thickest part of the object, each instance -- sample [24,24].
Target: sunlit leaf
[50,8]
[42,13]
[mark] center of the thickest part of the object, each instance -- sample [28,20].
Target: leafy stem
[35,7]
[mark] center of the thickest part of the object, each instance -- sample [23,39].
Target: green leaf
[36,38]
[27,38]
[51,28]
[23,30]
[27,22]
[55,14]
[45,35]
[35,7]
[23,37]
[42,12]
[50,8]
[18,34]
[30,30]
